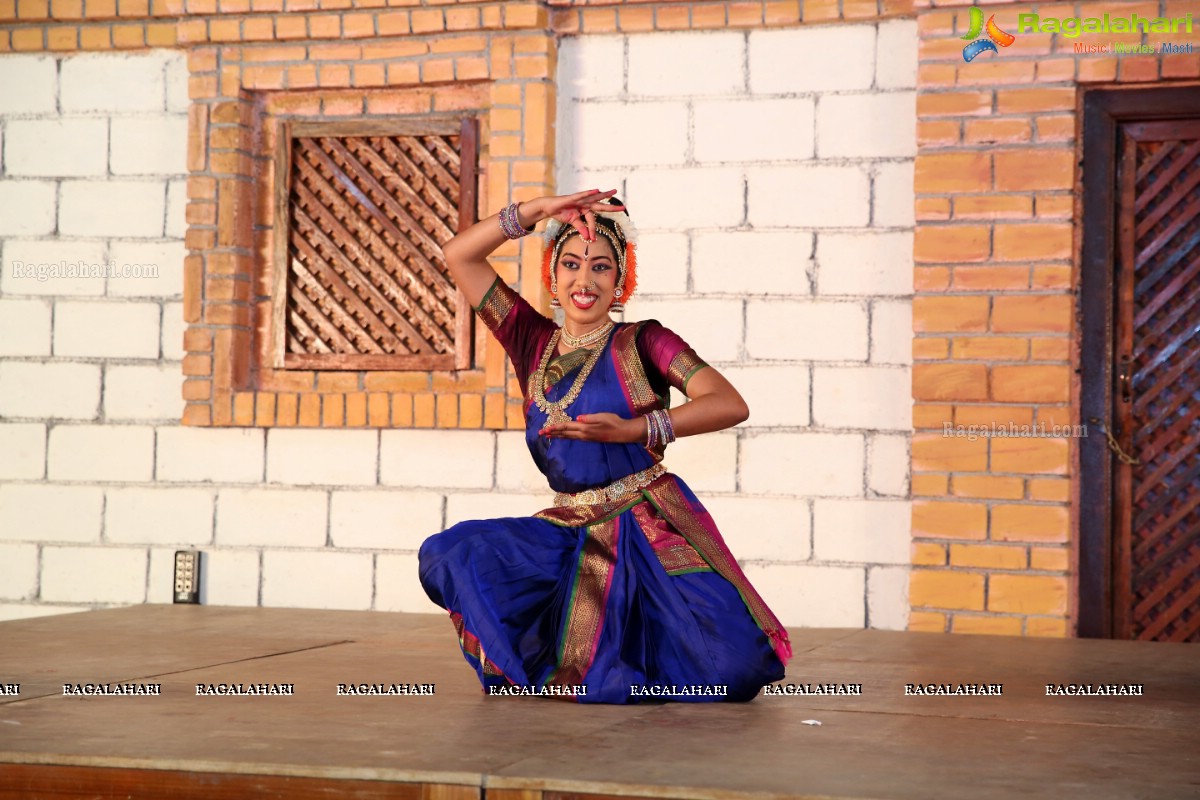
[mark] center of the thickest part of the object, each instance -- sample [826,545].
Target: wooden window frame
[286,130]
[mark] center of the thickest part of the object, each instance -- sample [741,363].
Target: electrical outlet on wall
[187,576]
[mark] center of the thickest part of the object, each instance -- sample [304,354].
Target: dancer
[623,590]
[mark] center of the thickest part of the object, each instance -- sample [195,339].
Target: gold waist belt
[626,488]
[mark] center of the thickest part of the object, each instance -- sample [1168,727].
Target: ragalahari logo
[995,35]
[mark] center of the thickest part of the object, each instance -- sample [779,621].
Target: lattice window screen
[360,279]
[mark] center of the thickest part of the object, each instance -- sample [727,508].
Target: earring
[554,289]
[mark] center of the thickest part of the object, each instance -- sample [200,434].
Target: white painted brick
[462,506]
[18,571]
[688,64]
[160,581]
[896,59]
[811,596]
[40,259]
[229,577]
[112,208]
[272,517]
[820,58]
[28,84]
[891,332]
[172,331]
[24,447]
[706,463]
[24,327]
[26,208]
[754,129]
[101,453]
[662,263]
[398,587]
[887,598]
[803,464]
[867,125]
[56,147]
[752,262]
[894,195]
[48,391]
[11,611]
[874,398]
[113,82]
[176,77]
[819,330]
[862,531]
[318,579]
[628,134]
[106,329]
[176,224]
[159,515]
[459,459]
[219,455]
[384,520]
[810,196]
[655,196]
[137,261]
[865,263]
[760,528]
[94,574]
[591,66]
[321,457]
[149,145]
[713,328]
[515,468]
[150,392]
[777,394]
[888,461]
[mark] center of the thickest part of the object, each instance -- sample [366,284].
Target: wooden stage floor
[459,744]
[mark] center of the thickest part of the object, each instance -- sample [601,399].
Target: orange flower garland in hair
[555,230]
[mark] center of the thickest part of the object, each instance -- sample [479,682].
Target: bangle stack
[510,223]
[659,430]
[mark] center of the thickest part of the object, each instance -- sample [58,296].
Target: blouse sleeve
[519,328]
[668,359]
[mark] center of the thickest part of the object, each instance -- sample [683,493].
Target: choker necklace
[587,339]
[556,411]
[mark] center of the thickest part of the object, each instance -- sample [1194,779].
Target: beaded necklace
[556,411]
[589,338]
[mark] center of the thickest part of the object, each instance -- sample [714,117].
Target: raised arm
[466,254]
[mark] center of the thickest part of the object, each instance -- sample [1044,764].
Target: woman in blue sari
[623,590]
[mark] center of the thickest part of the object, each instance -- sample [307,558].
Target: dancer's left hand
[602,427]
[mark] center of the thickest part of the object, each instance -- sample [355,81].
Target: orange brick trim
[641,16]
[237,93]
[994,318]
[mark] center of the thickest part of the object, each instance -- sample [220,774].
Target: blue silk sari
[632,600]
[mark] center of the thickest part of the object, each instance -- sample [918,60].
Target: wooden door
[1146,393]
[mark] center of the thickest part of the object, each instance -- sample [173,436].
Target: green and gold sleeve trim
[683,367]
[496,304]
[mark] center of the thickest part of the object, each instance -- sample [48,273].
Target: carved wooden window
[360,282]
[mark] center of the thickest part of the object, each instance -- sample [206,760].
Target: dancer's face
[586,283]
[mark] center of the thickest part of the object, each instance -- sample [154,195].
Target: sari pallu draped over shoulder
[608,590]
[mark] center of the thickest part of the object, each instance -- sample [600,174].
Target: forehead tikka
[613,237]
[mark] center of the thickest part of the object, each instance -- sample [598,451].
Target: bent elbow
[741,412]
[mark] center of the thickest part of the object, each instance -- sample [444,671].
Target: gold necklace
[588,339]
[556,411]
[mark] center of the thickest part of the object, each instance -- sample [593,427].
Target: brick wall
[815,302]
[995,544]
[774,201]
